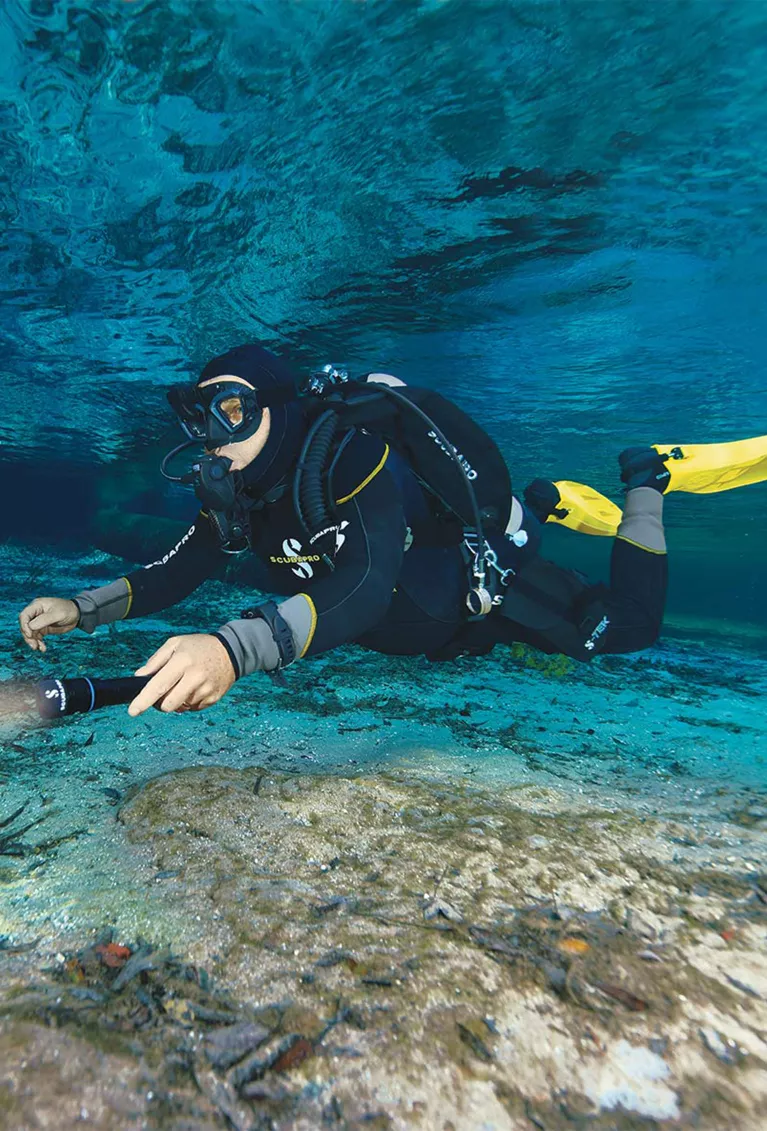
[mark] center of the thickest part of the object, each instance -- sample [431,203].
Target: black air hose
[309,496]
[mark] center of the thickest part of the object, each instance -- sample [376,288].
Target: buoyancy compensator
[452,457]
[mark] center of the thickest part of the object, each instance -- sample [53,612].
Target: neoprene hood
[264,370]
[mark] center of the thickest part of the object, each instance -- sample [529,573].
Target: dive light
[59,697]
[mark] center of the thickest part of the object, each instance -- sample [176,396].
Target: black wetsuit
[399,582]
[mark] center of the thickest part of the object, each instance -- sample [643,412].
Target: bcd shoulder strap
[483,464]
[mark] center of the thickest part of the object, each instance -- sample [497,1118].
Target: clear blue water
[555,212]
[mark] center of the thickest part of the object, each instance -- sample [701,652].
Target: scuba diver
[384,516]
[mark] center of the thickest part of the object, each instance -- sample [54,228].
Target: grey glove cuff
[104,605]
[251,645]
[642,522]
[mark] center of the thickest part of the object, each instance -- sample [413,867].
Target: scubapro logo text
[166,557]
[455,454]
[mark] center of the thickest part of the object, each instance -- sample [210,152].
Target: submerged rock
[437,907]
[332,952]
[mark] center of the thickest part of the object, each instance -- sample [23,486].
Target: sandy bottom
[498,893]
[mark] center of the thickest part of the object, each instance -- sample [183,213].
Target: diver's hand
[47,616]
[189,673]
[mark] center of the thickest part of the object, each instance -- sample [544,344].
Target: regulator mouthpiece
[59,697]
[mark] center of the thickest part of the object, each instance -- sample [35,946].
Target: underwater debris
[649,956]
[295,1052]
[331,905]
[140,963]
[46,846]
[573,946]
[625,997]
[255,1066]
[13,816]
[494,942]
[225,1047]
[742,986]
[474,1043]
[439,907]
[261,1090]
[723,1049]
[334,958]
[8,947]
[242,1057]
[223,1099]
[113,954]
[11,844]
[574,965]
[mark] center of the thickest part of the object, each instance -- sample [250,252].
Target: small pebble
[649,956]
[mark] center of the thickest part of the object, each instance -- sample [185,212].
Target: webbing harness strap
[579,617]
[280,629]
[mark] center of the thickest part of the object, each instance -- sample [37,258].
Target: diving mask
[221,413]
[225,411]
[215,415]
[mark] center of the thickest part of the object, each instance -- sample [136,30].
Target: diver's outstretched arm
[156,586]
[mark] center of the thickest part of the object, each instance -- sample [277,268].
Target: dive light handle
[59,697]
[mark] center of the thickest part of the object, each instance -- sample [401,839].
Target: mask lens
[232,410]
[236,411]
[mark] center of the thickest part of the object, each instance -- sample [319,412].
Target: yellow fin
[703,469]
[588,511]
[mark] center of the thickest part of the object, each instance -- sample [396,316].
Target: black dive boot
[542,497]
[644,467]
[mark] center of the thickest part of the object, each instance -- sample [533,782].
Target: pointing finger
[159,658]
[157,687]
